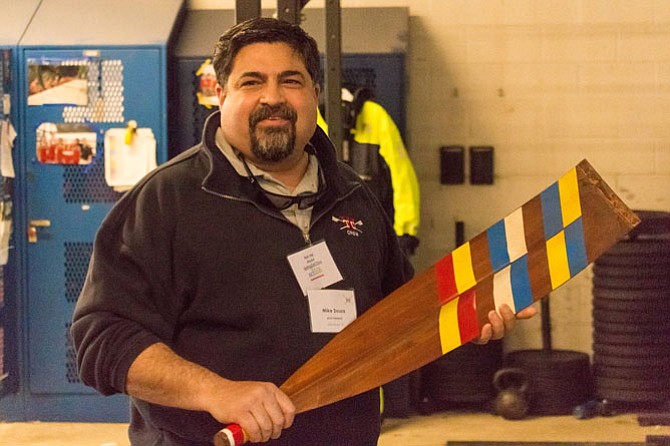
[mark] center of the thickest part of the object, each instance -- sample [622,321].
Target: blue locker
[16,16]
[115,55]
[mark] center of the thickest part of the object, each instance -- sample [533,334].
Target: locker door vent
[71,373]
[353,78]
[105,94]
[77,256]
[359,77]
[86,184]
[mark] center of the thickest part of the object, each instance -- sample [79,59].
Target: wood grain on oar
[517,261]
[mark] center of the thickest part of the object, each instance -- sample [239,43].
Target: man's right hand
[261,409]
[160,376]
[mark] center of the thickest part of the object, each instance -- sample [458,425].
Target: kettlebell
[511,402]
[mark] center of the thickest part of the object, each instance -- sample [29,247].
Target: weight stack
[558,380]
[631,316]
[463,378]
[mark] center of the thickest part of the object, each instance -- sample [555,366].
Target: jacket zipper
[313,220]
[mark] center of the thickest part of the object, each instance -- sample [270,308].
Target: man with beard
[205,277]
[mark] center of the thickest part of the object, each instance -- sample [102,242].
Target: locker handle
[40,223]
[32,228]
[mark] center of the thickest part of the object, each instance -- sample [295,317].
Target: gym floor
[432,430]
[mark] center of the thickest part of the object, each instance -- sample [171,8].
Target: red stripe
[238,434]
[446,281]
[467,316]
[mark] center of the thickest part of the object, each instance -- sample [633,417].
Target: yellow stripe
[557,254]
[450,336]
[463,272]
[568,190]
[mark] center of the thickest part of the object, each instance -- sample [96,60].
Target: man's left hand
[502,322]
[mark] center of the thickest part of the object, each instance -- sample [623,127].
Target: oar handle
[231,435]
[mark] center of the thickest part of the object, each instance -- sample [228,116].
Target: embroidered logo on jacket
[350,225]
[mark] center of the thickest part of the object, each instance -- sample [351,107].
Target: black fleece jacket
[195,257]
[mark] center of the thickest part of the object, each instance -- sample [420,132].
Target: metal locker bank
[84,72]
[17,15]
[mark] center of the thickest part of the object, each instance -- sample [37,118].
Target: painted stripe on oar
[463,272]
[444,276]
[450,337]
[559,270]
[511,286]
[498,246]
[458,321]
[521,290]
[502,288]
[514,233]
[576,250]
[568,190]
[552,217]
[467,316]
[507,240]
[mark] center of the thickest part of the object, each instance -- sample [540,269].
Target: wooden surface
[517,261]
[542,245]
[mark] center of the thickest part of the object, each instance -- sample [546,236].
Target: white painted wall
[547,83]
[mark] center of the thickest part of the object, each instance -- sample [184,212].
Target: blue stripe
[523,296]
[497,246]
[574,243]
[551,211]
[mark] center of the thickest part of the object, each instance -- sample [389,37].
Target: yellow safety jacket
[375,127]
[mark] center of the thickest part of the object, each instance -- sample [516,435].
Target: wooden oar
[517,261]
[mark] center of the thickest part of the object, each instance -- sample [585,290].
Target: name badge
[314,267]
[331,310]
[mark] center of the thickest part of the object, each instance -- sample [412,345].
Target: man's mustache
[277,111]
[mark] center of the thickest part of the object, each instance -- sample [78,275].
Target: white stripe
[229,436]
[502,288]
[514,234]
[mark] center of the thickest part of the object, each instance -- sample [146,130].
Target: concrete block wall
[547,83]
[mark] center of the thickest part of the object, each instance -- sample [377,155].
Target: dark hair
[264,30]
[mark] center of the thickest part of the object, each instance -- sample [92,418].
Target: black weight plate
[638,270]
[616,327]
[660,351]
[623,361]
[643,250]
[630,317]
[540,359]
[651,223]
[634,283]
[600,370]
[639,248]
[640,339]
[660,305]
[651,261]
[631,396]
[650,317]
[657,306]
[631,384]
[625,294]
